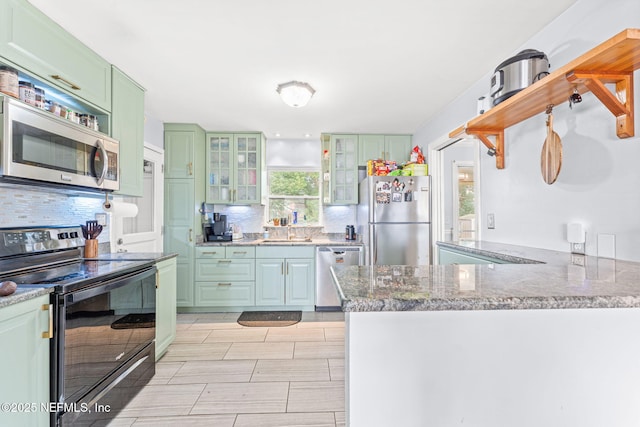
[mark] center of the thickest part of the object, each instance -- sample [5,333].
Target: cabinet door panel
[184,284]
[127,126]
[178,154]
[300,279]
[166,306]
[398,147]
[219,154]
[25,356]
[370,147]
[32,40]
[270,282]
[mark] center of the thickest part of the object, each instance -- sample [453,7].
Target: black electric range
[103,343]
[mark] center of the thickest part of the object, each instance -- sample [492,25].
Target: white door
[143,233]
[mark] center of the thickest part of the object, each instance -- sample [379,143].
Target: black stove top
[51,258]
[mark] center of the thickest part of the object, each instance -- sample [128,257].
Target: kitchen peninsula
[526,344]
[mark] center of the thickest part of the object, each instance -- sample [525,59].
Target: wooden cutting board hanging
[551,158]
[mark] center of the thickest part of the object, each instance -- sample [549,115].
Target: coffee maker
[214,227]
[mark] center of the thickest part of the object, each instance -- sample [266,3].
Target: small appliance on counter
[217,230]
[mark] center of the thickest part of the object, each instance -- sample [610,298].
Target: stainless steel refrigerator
[394,220]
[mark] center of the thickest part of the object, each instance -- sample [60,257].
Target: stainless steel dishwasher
[326,256]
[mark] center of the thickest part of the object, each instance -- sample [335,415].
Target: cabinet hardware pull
[209,253]
[240,253]
[287,269]
[49,333]
[67,82]
[234,195]
[190,237]
[225,261]
[224,284]
[190,168]
[282,268]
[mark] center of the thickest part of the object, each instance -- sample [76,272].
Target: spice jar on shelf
[28,93]
[9,81]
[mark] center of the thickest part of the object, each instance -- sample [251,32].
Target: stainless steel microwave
[43,148]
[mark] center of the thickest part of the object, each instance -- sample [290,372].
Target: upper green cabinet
[179,153]
[340,169]
[32,41]
[387,147]
[127,126]
[234,168]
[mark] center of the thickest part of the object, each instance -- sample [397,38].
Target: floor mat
[269,318]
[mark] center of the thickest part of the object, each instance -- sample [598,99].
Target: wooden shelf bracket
[619,103]
[496,149]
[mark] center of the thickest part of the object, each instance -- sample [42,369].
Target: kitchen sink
[284,240]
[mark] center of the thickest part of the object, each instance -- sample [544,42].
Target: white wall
[600,173]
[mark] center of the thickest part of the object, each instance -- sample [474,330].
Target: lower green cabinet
[165,305]
[285,275]
[225,276]
[25,357]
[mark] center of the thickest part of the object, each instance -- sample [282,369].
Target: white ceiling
[377,66]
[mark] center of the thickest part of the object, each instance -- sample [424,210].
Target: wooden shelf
[613,61]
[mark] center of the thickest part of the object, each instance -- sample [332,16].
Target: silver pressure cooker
[516,73]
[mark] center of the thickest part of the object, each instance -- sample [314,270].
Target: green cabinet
[165,305]
[32,41]
[127,126]
[340,169]
[451,256]
[225,276]
[387,147]
[25,356]
[285,275]
[184,160]
[234,168]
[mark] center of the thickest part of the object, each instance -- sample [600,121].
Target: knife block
[91,248]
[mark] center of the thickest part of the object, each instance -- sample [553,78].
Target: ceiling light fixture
[295,94]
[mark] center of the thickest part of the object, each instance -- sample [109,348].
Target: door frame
[154,154]
[436,170]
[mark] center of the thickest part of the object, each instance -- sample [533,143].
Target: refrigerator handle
[374,247]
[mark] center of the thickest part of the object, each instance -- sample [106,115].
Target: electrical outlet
[102,219]
[577,248]
[577,259]
[491,221]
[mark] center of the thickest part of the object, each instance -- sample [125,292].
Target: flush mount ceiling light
[295,94]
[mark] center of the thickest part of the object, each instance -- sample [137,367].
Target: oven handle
[109,285]
[124,375]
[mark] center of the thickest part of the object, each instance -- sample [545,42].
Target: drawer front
[240,252]
[225,294]
[225,269]
[286,251]
[212,252]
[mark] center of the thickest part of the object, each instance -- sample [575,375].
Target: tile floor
[219,373]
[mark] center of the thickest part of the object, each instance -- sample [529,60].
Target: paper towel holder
[106,204]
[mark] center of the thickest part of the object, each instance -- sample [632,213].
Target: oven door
[40,146]
[100,329]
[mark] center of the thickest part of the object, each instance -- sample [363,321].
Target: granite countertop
[561,280]
[272,242]
[27,292]
[136,256]
[24,294]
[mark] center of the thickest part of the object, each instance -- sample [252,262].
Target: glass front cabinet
[234,168]
[340,169]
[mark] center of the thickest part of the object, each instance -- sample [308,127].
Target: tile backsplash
[33,206]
